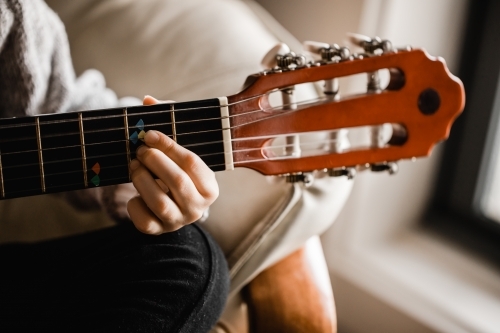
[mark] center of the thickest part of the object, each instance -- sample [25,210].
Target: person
[166,274]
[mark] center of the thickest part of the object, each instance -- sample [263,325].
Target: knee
[194,275]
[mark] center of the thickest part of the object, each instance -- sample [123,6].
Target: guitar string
[200,155]
[167,111]
[281,114]
[117,109]
[126,177]
[285,112]
[313,100]
[122,180]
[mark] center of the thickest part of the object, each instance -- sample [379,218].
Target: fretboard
[78,150]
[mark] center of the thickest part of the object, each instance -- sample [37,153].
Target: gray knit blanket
[37,77]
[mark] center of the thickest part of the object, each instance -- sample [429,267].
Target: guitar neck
[78,150]
[62,152]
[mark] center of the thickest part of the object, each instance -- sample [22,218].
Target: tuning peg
[315,47]
[349,172]
[269,60]
[358,39]
[325,51]
[305,177]
[370,45]
[391,167]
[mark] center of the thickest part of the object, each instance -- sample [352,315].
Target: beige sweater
[37,77]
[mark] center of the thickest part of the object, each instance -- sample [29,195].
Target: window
[466,204]
[489,194]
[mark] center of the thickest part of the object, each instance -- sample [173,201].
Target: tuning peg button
[391,167]
[370,45]
[349,172]
[270,59]
[325,51]
[358,39]
[306,177]
[315,47]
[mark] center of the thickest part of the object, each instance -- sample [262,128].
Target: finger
[150,100]
[181,186]
[145,220]
[162,185]
[156,200]
[202,176]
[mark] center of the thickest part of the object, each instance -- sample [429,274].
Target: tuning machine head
[371,46]
[391,167]
[280,58]
[307,178]
[349,172]
[326,52]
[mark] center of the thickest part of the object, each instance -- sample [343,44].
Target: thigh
[115,279]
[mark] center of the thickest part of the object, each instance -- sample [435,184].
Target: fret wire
[172,118]
[82,145]
[127,142]
[1,177]
[40,156]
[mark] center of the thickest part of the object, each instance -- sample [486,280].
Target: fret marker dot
[140,125]
[134,137]
[96,168]
[141,135]
[95,180]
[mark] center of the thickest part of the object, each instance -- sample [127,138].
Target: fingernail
[141,150]
[134,164]
[152,137]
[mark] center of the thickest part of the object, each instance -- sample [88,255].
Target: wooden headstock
[423,98]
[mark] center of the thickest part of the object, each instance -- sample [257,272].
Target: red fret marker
[96,168]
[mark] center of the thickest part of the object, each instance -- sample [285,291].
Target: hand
[185,189]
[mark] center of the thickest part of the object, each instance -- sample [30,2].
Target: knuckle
[192,162]
[135,174]
[193,215]
[170,227]
[163,210]
[167,144]
[180,181]
[147,228]
[214,193]
[149,154]
[211,191]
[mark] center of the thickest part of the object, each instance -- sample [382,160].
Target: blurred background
[419,252]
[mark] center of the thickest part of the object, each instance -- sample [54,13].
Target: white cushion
[195,49]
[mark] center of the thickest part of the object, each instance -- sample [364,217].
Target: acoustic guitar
[78,150]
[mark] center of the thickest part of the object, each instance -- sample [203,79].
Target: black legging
[113,280]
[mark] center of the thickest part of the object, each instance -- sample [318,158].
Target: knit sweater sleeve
[37,77]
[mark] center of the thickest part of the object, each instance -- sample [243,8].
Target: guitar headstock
[419,105]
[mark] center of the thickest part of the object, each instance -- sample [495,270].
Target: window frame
[454,210]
